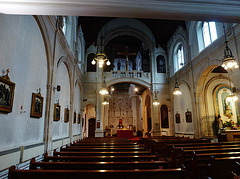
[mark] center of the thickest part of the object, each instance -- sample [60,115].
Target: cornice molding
[221,10]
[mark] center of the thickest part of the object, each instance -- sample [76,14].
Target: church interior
[83,72]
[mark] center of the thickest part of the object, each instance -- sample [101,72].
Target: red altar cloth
[125,133]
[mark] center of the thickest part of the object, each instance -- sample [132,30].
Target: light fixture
[105,102]
[136,89]
[101,57]
[229,61]
[155,101]
[104,89]
[177,90]
[232,97]
[112,88]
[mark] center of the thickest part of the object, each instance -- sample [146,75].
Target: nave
[165,157]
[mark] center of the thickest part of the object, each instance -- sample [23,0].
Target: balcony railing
[145,76]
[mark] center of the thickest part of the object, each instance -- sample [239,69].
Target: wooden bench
[186,156]
[68,153]
[104,144]
[175,150]
[107,174]
[102,149]
[200,162]
[101,158]
[98,165]
[223,167]
[160,146]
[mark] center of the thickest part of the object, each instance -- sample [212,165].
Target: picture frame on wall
[57,112]
[188,116]
[6,94]
[75,118]
[36,105]
[178,119]
[79,118]
[66,117]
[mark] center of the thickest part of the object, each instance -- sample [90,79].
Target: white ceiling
[222,10]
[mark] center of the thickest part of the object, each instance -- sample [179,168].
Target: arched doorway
[91,127]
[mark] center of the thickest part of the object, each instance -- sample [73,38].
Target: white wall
[182,103]
[22,51]
[77,109]
[60,128]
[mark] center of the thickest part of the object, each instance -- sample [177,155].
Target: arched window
[161,65]
[180,56]
[209,33]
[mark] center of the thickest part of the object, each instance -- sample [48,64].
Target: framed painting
[66,117]
[37,105]
[164,116]
[188,116]
[6,94]
[75,118]
[177,116]
[57,112]
[79,118]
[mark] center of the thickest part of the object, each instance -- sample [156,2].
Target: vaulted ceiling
[162,30]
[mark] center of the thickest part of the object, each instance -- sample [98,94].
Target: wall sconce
[58,88]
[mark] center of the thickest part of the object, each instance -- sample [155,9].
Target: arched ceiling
[162,30]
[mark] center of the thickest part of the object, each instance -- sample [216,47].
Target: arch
[161,64]
[128,80]
[123,26]
[177,40]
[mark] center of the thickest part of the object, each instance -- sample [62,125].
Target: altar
[232,135]
[125,133]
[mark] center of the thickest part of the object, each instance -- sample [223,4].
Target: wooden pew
[73,153]
[98,165]
[103,144]
[107,174]
[175,149]
[102,149]
[100,158]
[186,157]
[200,162]
[159,146]
[223,167]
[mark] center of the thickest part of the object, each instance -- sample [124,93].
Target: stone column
[155,119]
[135,111]
[99,107]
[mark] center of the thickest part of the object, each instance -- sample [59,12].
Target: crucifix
[126,54]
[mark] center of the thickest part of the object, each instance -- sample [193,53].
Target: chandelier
[177,90]
[101,57]
[105,102]
[155,101]
[104,89]
[232,97]
[229,61]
